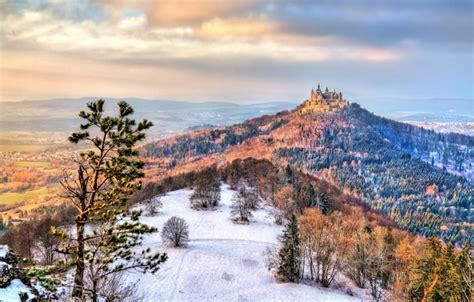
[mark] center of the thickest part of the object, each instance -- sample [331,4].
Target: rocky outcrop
[8,266]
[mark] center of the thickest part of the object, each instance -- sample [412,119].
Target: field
[224,261]
[23,148]
[12,198]
[31,141]
[31,164]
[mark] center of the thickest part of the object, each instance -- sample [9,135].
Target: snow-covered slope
[12,292]
[223,261]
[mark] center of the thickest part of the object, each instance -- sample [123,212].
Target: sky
[237,51]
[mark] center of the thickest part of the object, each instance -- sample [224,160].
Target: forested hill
[420,179]
[452,151]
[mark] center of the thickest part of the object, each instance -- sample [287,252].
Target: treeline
[388,125]
[32,239]
[287,189]
[213,140]
[391,264]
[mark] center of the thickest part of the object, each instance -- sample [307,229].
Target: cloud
[130,36]
[132,23]
[191,12]
[382,23]
[218,28]
[242,43]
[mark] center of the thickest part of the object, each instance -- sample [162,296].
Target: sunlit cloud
[174,12]
[219,28]
[131,36]
[203,41]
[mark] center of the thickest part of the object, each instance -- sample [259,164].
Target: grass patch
[31,164]
[23,148]
[12,198]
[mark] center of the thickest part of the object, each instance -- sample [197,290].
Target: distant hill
[168,116]
[420,179]
[171,117]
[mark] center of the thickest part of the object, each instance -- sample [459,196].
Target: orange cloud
[235,27]
[179,12]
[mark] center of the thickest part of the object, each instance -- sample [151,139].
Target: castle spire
[327,90]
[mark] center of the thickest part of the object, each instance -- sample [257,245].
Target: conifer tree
[289,254]
[324,203]
[289,174]
[108,172]
[438,275]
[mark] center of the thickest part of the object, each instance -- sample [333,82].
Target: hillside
[223,260]
[420,179]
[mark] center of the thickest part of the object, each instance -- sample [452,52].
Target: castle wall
[322,102]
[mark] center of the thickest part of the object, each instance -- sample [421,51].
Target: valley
[326,161]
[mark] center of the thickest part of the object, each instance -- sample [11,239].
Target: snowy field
[223,261]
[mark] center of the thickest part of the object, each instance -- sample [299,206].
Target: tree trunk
[94,290]
[77,290]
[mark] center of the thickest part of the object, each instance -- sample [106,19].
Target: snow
[4,266]
[12,292]
[214,224]
[3,251]
[223,261]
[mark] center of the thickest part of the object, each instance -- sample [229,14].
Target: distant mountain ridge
[171,117]
[168,116]
[420,179]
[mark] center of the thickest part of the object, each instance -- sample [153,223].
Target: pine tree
[107,174]
[289,174]
[289,254]
[437,275]
[324,203]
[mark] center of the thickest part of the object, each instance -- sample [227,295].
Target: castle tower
[319,88]
[313,96]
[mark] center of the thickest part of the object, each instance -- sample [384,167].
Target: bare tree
[242,204]
[322,244]
[272,261]
[207,191]
[175,232]
[250,194]
[116,288]
[47,243]
[153,206]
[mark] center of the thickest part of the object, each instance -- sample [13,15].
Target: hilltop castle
[320,101]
